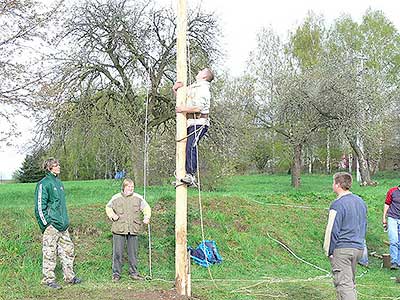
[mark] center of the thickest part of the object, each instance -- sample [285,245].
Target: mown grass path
[239,215]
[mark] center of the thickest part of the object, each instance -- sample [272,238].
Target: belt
[196,116]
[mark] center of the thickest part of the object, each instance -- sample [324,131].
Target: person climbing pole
[197,110]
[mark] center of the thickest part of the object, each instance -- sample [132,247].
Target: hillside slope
[247,217]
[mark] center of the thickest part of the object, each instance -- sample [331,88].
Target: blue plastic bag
[205,254]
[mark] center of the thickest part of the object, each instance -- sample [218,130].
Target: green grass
[239,216]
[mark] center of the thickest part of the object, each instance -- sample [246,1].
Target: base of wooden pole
[386,261]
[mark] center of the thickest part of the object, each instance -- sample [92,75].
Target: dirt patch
[84,230]
[160,207]
[111,294]
[161,295]
[241,227]
[206,223]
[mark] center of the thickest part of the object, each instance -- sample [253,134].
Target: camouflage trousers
[57,243]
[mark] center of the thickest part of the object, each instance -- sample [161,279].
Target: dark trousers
[344,262]
[191,147]
[118,250]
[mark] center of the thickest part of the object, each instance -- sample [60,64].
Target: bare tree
[119,50]
[284,95]
[22,24]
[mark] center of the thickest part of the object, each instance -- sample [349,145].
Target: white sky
[241,21]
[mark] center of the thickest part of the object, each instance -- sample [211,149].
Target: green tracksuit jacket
[50,206]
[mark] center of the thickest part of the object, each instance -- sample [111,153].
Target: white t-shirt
[199,95]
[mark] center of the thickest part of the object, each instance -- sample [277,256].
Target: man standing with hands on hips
[345,236]
[124,210]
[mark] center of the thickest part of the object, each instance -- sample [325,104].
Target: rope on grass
[247,290]
[250,293]
[308,263]
[377,297]
[363,273]
[266,280]
[288,205]
[297,257]
[164,280]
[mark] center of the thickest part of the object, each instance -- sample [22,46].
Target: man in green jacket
[51,214]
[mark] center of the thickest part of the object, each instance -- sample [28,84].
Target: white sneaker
[189,179]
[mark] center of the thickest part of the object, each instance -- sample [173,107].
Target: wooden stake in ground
[182,282]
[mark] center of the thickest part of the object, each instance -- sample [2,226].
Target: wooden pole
[182,282]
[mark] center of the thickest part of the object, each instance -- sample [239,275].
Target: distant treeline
[324,98]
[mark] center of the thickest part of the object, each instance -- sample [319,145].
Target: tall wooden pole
[182,282]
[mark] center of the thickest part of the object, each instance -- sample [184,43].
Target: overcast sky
[241,21]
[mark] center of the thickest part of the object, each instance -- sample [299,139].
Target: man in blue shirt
[345,235]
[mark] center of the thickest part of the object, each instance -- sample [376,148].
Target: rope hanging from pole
[145,171]
[197,132]
[189,135]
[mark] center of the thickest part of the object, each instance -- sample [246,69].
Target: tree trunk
[136,161]
[377,162]
[296,166]
[328,153]
[273,153]
[350,163]
[362,162]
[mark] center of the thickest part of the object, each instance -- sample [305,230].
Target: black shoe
[394,266]
[54,285]
[177,183]
[116,277]
[75,280]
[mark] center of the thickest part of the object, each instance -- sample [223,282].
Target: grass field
[245,216]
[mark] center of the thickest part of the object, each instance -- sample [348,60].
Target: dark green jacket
[50,206]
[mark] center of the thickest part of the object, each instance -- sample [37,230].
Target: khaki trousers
[344,262]
[57,243]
